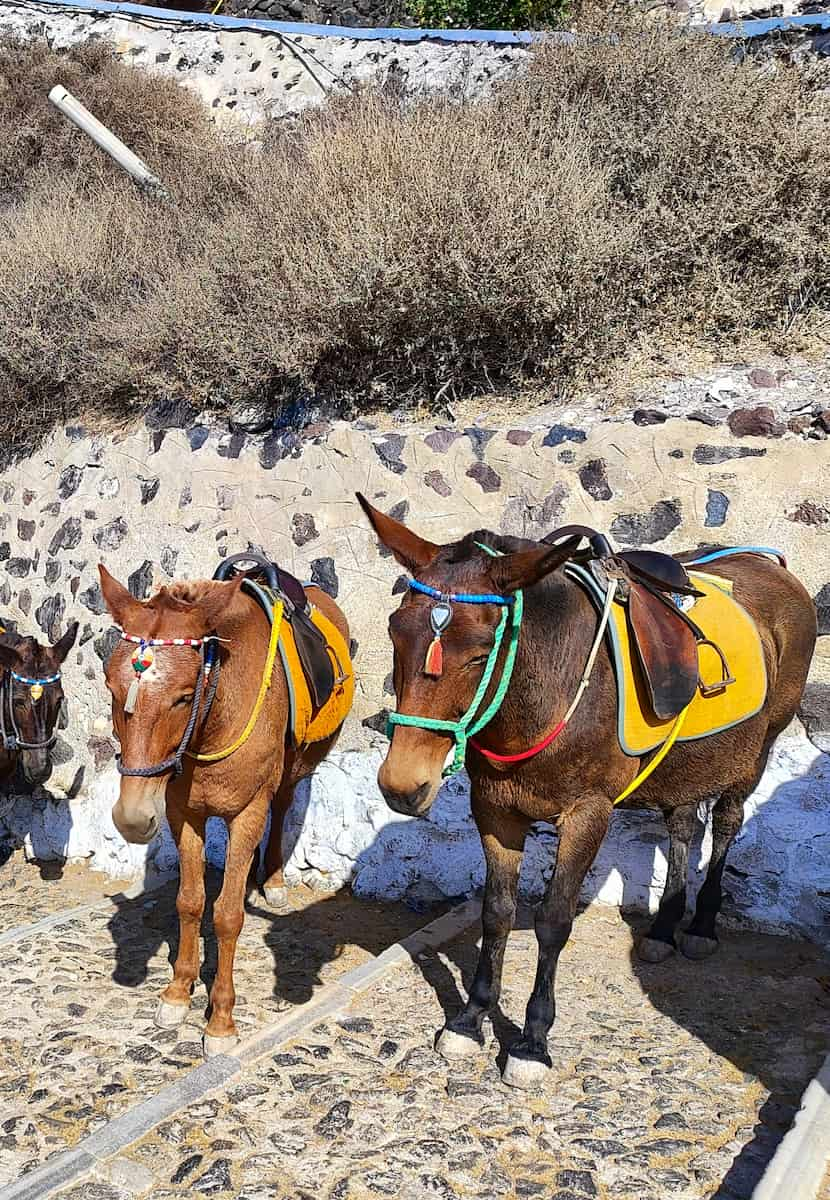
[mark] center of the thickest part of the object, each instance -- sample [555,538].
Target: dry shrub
[640,189]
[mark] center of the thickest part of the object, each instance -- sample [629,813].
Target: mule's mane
[467,548]
[30,652]
[189,591]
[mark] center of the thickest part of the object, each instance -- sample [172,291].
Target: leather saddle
[311,645]
[666,638]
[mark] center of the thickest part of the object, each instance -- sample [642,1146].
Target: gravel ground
[675,1081]
[78,1044]
[30,891]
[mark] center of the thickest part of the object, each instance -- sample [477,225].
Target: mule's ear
[8,656]
[526,567]
[64,644]
[215,604]
[411,551]
[121,605]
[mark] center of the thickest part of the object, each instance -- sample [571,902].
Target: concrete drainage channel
[68,1166]
[798,1167]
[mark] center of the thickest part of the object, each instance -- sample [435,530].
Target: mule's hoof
[528,1074]
[168,1016]
[651,950]
[696,947]
[277,898]
[454,1046]
[219,1045]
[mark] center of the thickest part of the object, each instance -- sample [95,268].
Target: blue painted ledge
[501,37]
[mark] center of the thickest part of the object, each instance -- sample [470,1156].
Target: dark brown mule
[573,782]
[31,703]
[241,788]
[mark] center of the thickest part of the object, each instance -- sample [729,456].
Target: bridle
[463,730]
[9,729]
[209,666]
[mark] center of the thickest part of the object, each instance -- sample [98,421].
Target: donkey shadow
[760,1003]
[302,941]
[38,820]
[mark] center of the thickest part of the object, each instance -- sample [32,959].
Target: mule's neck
[554,643]
[239,678]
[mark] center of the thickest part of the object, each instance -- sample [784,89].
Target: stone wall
[244,75]
[735,457]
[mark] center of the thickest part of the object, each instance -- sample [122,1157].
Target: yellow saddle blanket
[307,723]
[730,626]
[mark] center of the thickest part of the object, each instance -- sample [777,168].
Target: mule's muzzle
[139,831]
[35,767]
[137,817]
[408,804]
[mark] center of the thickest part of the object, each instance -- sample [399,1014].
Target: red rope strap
[523,754]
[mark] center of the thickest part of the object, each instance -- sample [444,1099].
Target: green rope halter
[468,726]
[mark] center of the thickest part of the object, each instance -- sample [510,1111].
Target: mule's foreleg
[244,835]
[700,939]
[189,836]
[659,942]
[580,835]
[503,839]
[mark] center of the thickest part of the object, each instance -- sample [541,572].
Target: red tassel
[434,662]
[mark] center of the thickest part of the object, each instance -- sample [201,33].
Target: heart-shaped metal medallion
[440,617]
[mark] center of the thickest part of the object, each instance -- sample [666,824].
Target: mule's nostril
[406,803]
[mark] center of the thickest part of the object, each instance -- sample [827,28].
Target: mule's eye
[183,700]
[19,704]
[479,661]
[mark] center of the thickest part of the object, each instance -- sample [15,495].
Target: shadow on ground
[761,1003]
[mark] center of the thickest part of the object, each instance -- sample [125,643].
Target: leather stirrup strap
[667,652]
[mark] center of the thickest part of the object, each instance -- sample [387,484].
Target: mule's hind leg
[580,835]
[700,939]
[659,943]
[245,832]
[503,839]
[189,836]
[274,889]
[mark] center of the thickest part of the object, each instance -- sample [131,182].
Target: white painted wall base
[340,832]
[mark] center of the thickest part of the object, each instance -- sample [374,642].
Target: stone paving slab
[676,1080]
[31,891]
[78,1044]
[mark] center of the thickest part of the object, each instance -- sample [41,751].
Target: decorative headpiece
[440,616]
[143,657]
[35,686]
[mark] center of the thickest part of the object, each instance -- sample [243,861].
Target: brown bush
[644,189]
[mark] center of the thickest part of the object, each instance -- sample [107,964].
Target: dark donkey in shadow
[449,632]
[32,703]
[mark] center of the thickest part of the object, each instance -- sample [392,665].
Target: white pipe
[66,103]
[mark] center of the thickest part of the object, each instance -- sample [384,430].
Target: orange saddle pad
[310,724]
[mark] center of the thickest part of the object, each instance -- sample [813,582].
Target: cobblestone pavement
[674,1081]
[29,892]
[78,1044]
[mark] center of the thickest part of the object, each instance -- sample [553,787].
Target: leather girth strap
[311,645]
[666,639]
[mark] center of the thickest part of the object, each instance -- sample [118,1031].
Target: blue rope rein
[732,550]
[459,597]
